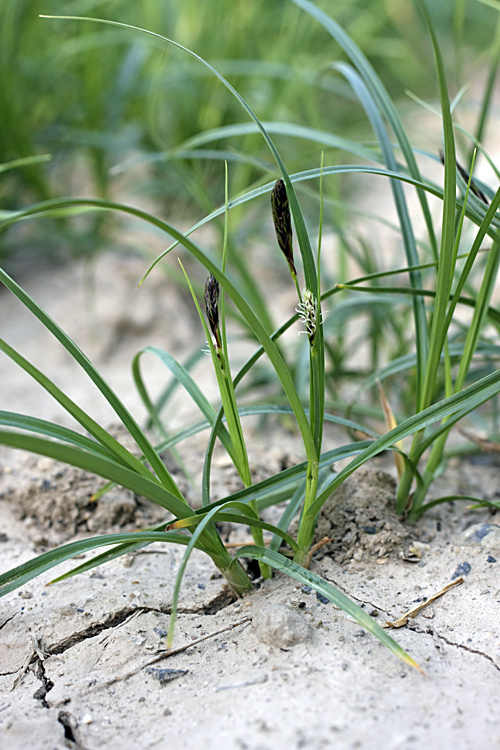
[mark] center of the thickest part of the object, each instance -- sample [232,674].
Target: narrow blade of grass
[20,575]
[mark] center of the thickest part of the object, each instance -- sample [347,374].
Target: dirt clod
[281,626]
[360,518]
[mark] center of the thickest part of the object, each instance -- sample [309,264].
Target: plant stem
[236,577]
[404,486]
[308,520]
[232,571]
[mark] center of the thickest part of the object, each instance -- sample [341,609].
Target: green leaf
[21,574]
[110,396]
[377,123]
[464,401]
[55,431]
[25,161]
[186,380]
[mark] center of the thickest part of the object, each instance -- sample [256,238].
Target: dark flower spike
[212,308]
[283,223]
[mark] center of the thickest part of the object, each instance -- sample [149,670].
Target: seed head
[283,223]
[212,307]
[307,310]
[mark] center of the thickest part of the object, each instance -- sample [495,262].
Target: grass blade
[110,396]
[20,575]
[464,401]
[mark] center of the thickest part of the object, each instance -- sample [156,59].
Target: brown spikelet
[283,222]
[212,307]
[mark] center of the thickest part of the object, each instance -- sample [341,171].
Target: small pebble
[321,598]
[490,559]
[160,632]
[166,675]
[479,531]
[486,534]
[87,719]
[462,570]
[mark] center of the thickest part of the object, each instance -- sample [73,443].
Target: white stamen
[307,311]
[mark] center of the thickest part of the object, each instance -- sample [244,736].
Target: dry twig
[413,612]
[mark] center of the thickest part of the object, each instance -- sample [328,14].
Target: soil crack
[119,618]
[45,687]
[70,726]
[463,646]
[7,620]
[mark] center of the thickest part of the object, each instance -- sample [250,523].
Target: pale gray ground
[74,656]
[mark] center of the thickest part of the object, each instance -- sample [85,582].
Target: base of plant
[237,579]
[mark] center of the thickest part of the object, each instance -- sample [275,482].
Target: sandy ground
[81,662]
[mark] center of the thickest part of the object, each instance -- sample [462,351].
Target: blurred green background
[100,100]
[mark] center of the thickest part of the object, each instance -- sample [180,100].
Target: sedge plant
[307,486]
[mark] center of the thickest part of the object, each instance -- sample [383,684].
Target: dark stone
[482,531]
[166,675]
[369,529]
[160,632]
[490,559]
[462,570]
[321,598]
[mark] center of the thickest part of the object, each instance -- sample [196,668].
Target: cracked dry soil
[81,663]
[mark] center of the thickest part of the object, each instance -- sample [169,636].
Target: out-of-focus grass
[93,97]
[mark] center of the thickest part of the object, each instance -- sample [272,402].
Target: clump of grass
[307,486]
